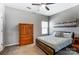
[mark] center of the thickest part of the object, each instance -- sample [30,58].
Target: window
[44,27]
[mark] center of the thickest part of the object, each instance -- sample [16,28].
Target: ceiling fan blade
[35,4]
[47,8]
[49,3]
[28,7]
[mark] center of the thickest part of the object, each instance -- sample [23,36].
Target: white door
[1,26]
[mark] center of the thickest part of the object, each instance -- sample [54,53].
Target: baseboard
[15,44]
[11,44]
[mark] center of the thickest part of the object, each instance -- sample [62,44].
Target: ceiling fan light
[43,6]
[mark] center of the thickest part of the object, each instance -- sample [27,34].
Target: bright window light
[44,27]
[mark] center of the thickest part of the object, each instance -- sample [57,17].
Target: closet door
[26,34]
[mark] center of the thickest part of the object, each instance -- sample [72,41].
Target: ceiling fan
[43,4]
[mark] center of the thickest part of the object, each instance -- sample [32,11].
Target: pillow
[54,34]
[67,35]
[59,34]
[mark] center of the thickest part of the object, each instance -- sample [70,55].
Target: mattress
[56,43]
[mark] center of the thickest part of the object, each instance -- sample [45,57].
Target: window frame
[43,27]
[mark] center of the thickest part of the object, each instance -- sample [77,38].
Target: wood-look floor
[22,50]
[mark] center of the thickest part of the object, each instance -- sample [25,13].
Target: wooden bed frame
[47,49]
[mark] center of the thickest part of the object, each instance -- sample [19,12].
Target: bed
[51,44]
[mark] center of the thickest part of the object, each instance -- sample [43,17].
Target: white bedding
[55,42]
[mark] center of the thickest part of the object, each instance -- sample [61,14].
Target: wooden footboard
[48,50]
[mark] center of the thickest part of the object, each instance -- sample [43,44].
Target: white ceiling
[54,8]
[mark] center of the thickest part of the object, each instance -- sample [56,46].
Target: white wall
[13,17]
[1,25]
[67,15]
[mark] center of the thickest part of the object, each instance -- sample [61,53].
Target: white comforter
[55,42]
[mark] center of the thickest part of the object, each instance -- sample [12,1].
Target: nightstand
[75,44]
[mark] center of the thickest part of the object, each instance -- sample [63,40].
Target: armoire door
[26,33]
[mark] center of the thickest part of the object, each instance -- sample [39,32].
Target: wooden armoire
[25,34]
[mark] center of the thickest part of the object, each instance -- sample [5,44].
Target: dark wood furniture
[25,34]
[47,49]
[75,44]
